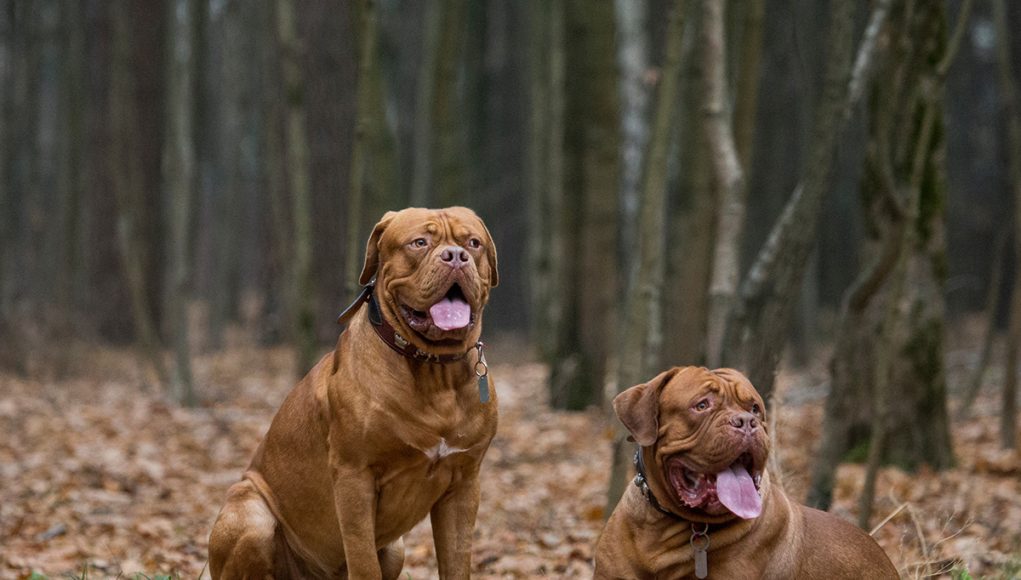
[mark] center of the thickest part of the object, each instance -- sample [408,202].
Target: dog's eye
[474,243]
[756,409]
[420,243]
[702,405]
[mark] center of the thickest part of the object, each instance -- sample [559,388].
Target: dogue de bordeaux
[388,428]
[702,504]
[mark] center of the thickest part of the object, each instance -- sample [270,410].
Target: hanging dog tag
[701,564]
[700,545]
[482,371]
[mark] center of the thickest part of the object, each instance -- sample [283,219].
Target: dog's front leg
[453,522]
[354,496]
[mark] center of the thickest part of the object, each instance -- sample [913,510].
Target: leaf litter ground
[98,473]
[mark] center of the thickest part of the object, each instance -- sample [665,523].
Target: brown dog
[702,504]
[386,429]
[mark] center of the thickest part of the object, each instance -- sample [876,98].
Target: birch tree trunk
[643,334]
[728,178]
[633,62]
[297,155]
[179,184]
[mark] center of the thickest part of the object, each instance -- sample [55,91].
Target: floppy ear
[372,249]
[638,408]
[494,277]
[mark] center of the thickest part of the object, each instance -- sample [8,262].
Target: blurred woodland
[825,195]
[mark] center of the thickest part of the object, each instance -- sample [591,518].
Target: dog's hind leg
[391,559]
[241,544]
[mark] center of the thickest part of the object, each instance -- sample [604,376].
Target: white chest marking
[441,450]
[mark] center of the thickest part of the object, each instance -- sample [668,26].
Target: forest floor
[100,476]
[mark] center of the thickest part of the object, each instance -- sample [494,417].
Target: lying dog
[386,429]
[702,504]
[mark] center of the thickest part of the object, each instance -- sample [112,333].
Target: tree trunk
[373,159]
[449,154]
[691,235]
[993,304]
[425,98]
[590,184]
[1010,96]
[642,331]
[8,199]
[889,387]
[545,170]
[124,165]
[364,17]
[298,171]
[179,182]
[755,337]
[72,104]
[728,178]
[633,62]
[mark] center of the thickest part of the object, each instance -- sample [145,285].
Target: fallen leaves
[95,471]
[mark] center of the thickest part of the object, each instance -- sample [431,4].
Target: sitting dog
[702,504]
[389,427]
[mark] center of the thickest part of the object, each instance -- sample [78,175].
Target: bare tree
[373,161]
[633,62]
[179,185]
[589,182]
[894,388]
[728,177]
[1010,96]
[690,237]
[642,336]
[298,172]
[545,170]
[760,318]
[127,176]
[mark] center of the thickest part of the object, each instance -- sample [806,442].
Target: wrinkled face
[709,434]
[433,269]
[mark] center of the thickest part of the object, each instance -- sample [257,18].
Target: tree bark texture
[633,61]
[888,383]
[590,182]
[124,165]
[642,328]
[179,186]
[1010,96]
[755,337]
[690,237]
[728,177]
[545,172]
[297,156]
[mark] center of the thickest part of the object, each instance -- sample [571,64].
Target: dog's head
[433,269]
[705,440]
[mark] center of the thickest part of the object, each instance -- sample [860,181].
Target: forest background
[824,195]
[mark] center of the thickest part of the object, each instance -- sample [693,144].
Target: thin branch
[963,16]
[864,62]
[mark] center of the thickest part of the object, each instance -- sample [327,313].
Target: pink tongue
[450,314]
[736,490]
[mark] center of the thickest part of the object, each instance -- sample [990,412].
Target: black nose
[454,256]
[746,422]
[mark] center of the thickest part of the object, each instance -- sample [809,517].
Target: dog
[703,504]
[388,428]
